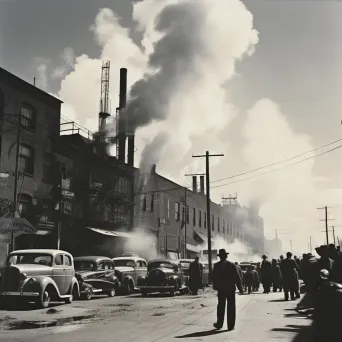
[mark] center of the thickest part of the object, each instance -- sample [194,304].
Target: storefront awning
[193,248]
[111,233]
[202,236]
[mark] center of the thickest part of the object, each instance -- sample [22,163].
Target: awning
[193,248]
[111,233]
[16,225]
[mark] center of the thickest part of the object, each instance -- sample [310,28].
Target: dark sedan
[96,275]
[163,276]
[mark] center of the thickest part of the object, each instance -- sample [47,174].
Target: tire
[44,299]
[129,287]
[111,293]
[175,289]
[88,295]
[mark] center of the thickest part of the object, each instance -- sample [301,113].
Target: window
[212,223]
[167,208]
[67,260]
[205,220]
[194,216]
[59,260]
[177,211]
[100,266]
[144,264]
[24,204]
[218,224]
[26,159]
[28,117]
[139,263]
[48,169]
[200,218]
[144,203]
[152,203]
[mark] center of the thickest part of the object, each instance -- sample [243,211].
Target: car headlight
[23,276]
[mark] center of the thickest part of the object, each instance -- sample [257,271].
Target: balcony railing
[68,127]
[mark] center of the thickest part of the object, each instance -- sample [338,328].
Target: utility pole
[326,222]
[310,244]
[291,245]
[16,176]
[207,172]
[333,230]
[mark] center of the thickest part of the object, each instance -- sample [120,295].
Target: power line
[277,163]
[279,168]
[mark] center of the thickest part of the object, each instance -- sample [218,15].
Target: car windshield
[124,263]
[159,264]
[185,264]
[84,265]
[34,258]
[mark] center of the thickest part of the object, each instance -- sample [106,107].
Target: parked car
[185,263]
[39,275]
[128,270]
[96,275]
[164,276]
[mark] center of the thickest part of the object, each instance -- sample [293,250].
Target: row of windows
[199,217]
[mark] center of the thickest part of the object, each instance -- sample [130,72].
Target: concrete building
[38,131]
[177,217]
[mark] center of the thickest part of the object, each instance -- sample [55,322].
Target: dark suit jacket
[226,276]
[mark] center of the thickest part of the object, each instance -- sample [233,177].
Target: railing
[69,127]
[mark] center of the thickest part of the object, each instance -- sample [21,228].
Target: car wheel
[111,293]
[44,299]
[88,295]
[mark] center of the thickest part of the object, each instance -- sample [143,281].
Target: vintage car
[185,263]
[39,275]
[128,270]
[96,275]
[163,276]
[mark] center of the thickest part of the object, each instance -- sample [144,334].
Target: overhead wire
[276,163]
[279,168]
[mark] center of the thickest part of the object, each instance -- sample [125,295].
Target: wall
[156,201]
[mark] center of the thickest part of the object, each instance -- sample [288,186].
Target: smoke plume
[180,74]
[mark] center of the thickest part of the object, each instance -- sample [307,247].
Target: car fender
[141,280]
[74,282]
[40,284]
[127,279]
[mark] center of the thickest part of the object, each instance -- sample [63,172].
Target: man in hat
[195,276]
[266,274]
[226,278]
[290,277]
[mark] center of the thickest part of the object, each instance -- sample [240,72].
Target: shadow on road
[202,333]
[26,306]
[276,300]
[303,332]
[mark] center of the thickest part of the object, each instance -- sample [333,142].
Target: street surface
[260,318]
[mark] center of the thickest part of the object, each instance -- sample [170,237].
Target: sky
[262,86]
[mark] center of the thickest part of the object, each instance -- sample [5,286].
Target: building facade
[31,117]
[177,217]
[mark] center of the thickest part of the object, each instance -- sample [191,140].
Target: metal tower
[104,102]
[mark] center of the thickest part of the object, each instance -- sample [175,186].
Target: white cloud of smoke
[179,76]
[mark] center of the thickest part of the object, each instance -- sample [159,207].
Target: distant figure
[239,269]
[195,276]
[225,279]
[256,279]
[266,274]
[248,280]
[281,264]
[276,276]
[290,277]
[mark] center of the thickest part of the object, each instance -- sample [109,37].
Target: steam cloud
[180,75]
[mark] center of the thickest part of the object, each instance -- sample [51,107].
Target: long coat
[226,277]
[276,274]
[195,273]
[290,273]
[266,272]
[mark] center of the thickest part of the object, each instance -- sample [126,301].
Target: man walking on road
[225,279]
[266,274]
[290,277]
[195,273]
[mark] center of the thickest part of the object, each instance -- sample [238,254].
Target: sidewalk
[260,318]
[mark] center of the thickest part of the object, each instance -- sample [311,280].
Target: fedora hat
[222,252]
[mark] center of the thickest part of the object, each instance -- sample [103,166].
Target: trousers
[225,297]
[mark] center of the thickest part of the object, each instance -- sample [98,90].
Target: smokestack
[123,88]
[202,185]
[130,160]
[122,119]
[194,184]
[153,169]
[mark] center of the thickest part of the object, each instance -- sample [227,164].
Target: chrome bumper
[23,294]
[168,287]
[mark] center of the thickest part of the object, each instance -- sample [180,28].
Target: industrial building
[177,217]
